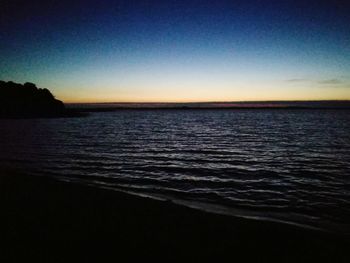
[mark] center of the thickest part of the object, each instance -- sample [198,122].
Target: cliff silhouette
[22,101]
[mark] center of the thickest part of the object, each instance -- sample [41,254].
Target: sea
[284,165]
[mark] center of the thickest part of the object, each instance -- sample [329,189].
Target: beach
[43,209]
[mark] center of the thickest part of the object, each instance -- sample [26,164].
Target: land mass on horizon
[326,104]
[17,100]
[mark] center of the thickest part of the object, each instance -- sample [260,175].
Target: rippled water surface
[288,165]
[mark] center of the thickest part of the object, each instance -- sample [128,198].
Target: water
[284,165]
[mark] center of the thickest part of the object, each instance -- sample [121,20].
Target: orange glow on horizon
[150,99]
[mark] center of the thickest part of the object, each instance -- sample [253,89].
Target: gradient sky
[178,51]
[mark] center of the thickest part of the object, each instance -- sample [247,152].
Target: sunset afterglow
[179,51]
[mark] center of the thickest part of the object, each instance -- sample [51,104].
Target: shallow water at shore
[282,165]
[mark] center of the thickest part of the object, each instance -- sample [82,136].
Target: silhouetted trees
[17,100]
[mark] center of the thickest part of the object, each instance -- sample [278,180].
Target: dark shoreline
[228,105]
[41,208]
[68,113]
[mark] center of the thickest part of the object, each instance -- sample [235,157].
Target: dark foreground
[43,209]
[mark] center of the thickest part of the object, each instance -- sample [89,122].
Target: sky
[178,51]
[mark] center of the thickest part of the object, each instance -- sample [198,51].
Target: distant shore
[42,208]
[257,105]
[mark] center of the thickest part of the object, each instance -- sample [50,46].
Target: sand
[43,209]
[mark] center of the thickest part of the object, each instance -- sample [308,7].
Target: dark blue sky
[178,50]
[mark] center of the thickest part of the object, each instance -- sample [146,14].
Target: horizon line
[209,102]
